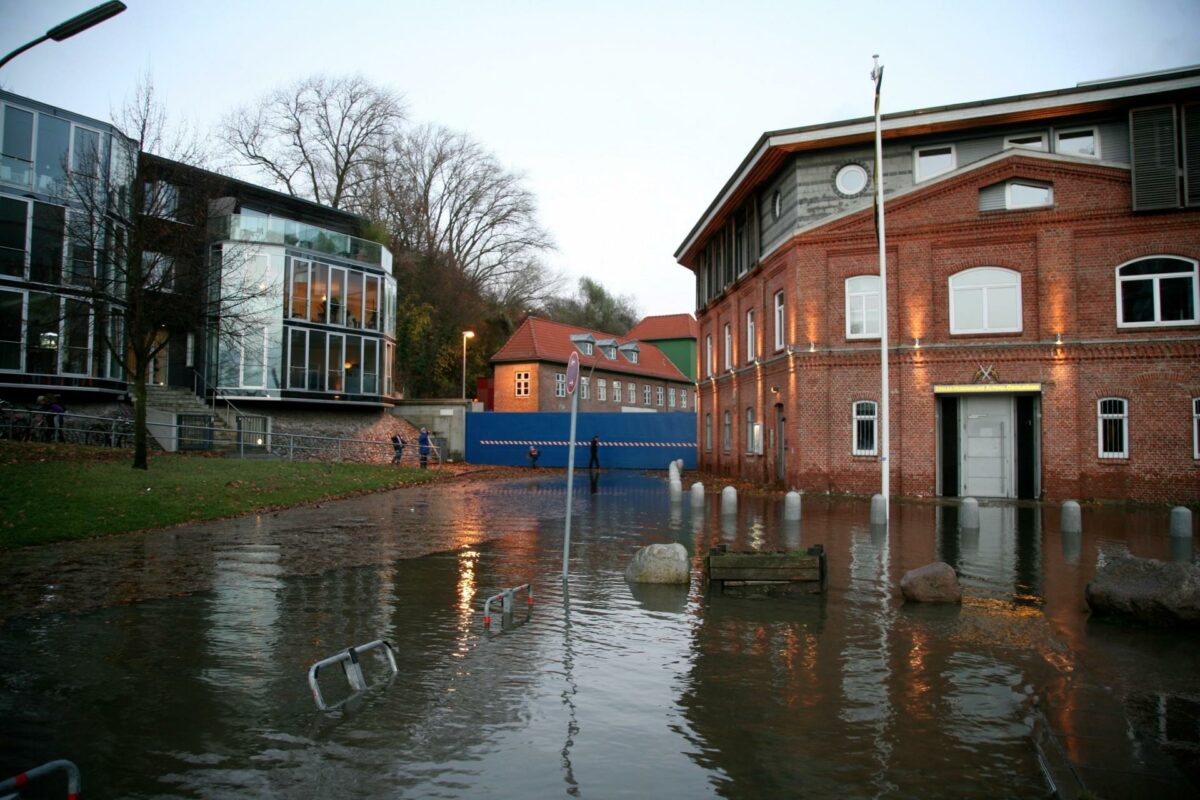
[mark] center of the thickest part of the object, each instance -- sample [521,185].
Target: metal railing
[506,602]
[19,782]
[352,667]
[39,425]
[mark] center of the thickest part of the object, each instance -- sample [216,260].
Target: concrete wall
[445,420]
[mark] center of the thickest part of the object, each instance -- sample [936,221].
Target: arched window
[862,307]
[985,300]
[727,433]
[864,428]
[1160,290]
[1112,427]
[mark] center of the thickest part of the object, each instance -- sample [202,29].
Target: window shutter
[1191,154]
[1155,165]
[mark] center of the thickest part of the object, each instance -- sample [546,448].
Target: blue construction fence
[627,441]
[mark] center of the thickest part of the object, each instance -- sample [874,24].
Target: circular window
[851,179]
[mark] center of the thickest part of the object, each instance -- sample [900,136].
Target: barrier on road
[506,598]
[351,665]
[19,782]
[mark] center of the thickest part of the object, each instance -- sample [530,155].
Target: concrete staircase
[165,403]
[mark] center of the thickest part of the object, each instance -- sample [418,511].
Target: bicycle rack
[19,782]
[351,665]
[506,598]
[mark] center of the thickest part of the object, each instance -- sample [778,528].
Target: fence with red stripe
[506,602]
[19,782]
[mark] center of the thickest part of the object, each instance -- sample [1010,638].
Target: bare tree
[593,307]
[322,138]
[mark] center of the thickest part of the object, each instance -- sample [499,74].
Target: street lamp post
[76,24]
[466,335]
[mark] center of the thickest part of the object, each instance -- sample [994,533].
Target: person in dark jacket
[533,456]
[595,462]
[398,446]
[423,448]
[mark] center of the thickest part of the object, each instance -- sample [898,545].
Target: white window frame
[863,412]
[779,320]
[919,151]
[658,396]
[618,392]
[683,395]
[859,298]
[560,384]
[986,327]
[750,431]
[585,388]
[1092,129]
[1158,322]
[1010,205]
[751,337]
[632,355]
[521,384]
[646,394]
[1010,142]
[1112,417]
[601,390]
[610,351]
[1196,428]
[584,347]
[708,356]
[671,397]
[727,431]
[728,346]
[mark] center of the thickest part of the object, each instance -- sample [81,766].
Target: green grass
[53,493]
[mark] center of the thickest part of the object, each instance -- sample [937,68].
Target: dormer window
[608,347]
[585,348]
[632,355]
[585,342]
[931,161]
[630,349]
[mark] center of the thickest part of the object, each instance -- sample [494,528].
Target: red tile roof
[666,326]
[546,340]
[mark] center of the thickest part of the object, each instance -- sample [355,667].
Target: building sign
[986,388]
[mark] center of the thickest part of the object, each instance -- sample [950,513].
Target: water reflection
[611,689]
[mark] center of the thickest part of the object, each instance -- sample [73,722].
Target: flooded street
[174,664]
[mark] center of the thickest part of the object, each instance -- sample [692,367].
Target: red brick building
[617,373]
[1042,300]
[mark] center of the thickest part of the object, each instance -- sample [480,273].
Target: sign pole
[572,380]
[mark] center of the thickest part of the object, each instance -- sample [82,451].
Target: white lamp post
[466,335]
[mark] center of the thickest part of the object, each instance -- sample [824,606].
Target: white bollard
[1181,521]
[729,500]
[1072,519]
[698,494]
[791,505]
[676,491]
[673,471]
[879,510]
[968,514]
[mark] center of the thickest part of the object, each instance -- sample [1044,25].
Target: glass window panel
[316,361]
[934,161]
[1077,143]
[299,289]
[370,366]
[254,356]
[53,142]
[297,359]
[85,156]
[354,300]
[13,214]
[1137,301]
[968,310]
[16,163]
[337,297]
[337,363]
[320,293]
[1176,298]
[46,252]
[83,249]
[1034,141]
[353,364]
[11,323]
[76,326]
[1024,195]
[389,358]
[372,303]
[1002,308]
[41,339]
[1156,266]
[116,346]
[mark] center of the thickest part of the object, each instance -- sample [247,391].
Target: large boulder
[932,583]
[660,563]
[1147,590]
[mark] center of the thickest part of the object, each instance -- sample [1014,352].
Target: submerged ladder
[351,665]
[506,602]
[19,782]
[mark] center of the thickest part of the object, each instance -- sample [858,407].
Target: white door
[987,447]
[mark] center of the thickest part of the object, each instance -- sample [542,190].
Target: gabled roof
[774,147]
[546,340]
[666,326]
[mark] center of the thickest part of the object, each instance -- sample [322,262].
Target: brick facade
[542,395]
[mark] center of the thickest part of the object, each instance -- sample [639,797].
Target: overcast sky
[626,117]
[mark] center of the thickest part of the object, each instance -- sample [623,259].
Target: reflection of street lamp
[74,25]
[466,335]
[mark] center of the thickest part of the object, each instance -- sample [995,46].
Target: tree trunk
[139,416]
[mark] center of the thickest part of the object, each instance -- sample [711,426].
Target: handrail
[506,605]
[351,665]
[20,781]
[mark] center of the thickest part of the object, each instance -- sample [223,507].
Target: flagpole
[884,413]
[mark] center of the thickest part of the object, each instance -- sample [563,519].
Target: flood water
[175,664]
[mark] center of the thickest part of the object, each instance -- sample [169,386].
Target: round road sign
[572,372]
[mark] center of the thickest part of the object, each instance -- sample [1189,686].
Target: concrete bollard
[1072,519]
[1072,546]
[729,500]
[679,465]
[698,494]
[1181,521]
[676,491]
[968,514]
[791,505]
[1181,549]
[879,510]
[673,471]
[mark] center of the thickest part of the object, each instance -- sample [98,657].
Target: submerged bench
[753,572]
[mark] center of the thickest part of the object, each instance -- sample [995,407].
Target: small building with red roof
[617,373]
[675,335]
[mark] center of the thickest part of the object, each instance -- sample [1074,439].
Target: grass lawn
[55,492]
